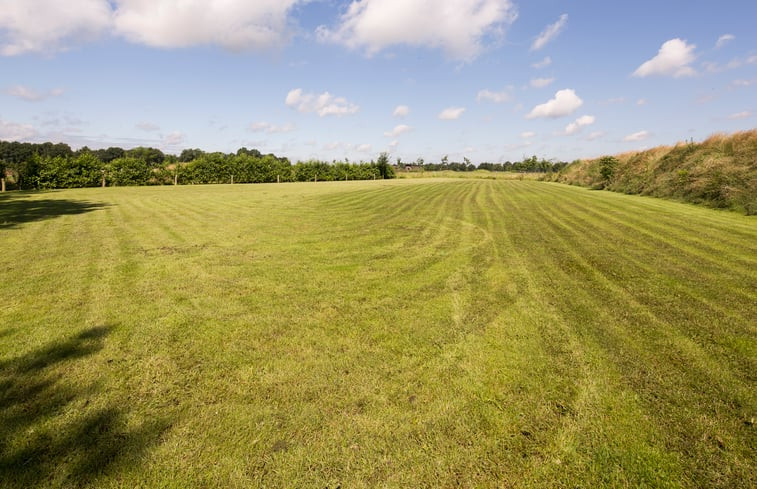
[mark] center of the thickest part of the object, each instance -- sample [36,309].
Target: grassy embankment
[423,333]
[718,172]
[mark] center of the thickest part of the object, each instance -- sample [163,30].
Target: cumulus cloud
[724,39]
[147,126]
[578,124]
[564,103]
[459,27]
[541,82]
[543,63]
[637,136]
[31,95]
[269,128]
[673,59]
[740,115]
[549,33]
[496,97]
[451,113]
[401,111]
[52,25]
[400,129]
[323,104]
[236,25]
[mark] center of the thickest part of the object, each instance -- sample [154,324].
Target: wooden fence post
[277,179]
[3,184]
[103,183]
[176,178]
[232,179]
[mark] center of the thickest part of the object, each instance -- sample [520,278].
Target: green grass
[412,333]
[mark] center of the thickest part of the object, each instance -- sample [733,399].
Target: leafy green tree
[607,165]
[128,171]
[384,168]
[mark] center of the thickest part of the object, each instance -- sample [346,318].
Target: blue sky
[491,80]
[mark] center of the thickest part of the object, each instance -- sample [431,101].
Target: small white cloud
[399,129]
[393,145]
[173,139]
[578,124]
[637,136]
[740,115]
[401,111]
[743,83]
[673,59]
[269,128]
[594,135]
[459,27]
[323,104]
[543,63]
[724,39]
[31,95]
[527,134]
[147,126]
[496,97]
[541,82]
[641,101]
[11,131]
[364,148]
[549,33]
[451,113]
[564,103]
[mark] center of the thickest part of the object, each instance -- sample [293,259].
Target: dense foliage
[47,166]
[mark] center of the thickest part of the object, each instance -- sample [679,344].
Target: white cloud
[578,124]
[496,97]
[48,26]
[743,83]
[364,148]
[459,27]
[712,67]
[527,134]
[740,115]
[549,33]
[173,139]
[401,111]
[724,39]
[543,63]
[451,113]
[637,136]
[541,82]
[323,104]
[400,129]
[594,135]
[641,101]
[31,95]
[564,103]
[236,25]
[52,25]
[673,59]
[11,131]
[148,126]
[271,128]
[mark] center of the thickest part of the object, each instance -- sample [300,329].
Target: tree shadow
[17,209]
[50,435]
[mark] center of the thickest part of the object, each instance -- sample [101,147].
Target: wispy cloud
[549,33]
[541,82]
[542,64]
[637,136]
[269,128]
[451,113]
[487,95]
[401,111]
[724,39]
[741,115]
[31,95]
[399,129]
[147,126]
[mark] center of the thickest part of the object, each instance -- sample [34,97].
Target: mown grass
[416,333]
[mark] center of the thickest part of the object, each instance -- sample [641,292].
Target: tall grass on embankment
[719,172]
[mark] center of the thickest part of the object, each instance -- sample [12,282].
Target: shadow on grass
[17,209]
[49,434]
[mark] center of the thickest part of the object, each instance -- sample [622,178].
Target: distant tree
[249,152]
[151,156]
[384,168]
[607,165]
[110,154]
[188,155]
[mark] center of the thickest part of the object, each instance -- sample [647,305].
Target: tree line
[48,166]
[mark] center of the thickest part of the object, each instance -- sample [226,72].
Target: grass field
[412,333]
